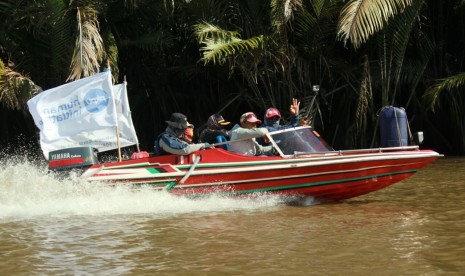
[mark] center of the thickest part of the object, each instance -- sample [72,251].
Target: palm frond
[443,85]
[89,49]
[393,43]
[359,19]
[283,11]
[220,45]
[15,88]
[206,30]
[400,29]
[56,27]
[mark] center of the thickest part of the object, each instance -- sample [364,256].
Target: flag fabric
[127,132]
[105,139]
[79,113]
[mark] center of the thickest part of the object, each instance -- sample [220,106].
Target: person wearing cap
[215,127]
[273,117]
[188,134]
[172,139]
[246,133]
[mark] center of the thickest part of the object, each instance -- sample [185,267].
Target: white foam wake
[27,190]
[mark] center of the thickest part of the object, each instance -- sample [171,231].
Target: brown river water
[70,227]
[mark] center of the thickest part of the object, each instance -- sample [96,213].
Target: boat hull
[325,177]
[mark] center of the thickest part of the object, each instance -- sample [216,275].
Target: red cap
[250,117]
[272,112]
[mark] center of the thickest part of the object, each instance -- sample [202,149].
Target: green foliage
[453,85]
[219,45]
[393,43]
[360,19]
[15,89]
[205,56]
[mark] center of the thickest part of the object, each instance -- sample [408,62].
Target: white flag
[127,132]
[105,138]
[68,115]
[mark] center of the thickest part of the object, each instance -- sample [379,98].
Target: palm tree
[397,30]
[36,44]
[53,40]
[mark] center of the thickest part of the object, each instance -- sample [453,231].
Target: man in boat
[273,117]
[171,140]
[188,134]
[246,133]
[215,130]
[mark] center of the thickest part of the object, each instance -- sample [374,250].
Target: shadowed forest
[201,57]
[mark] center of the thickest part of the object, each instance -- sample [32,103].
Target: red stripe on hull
[324,191]
[324,179]
[333,182]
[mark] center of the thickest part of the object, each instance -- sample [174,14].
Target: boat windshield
[298,140]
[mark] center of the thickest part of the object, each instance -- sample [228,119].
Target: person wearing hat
[214,130]
[188,135]
[273,117]
[246,133]
[172,139]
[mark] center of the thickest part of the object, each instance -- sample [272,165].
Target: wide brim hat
[250,117]
[179,120]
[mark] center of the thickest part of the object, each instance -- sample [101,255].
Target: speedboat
[304,166]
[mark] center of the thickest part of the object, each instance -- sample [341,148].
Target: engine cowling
[70,158]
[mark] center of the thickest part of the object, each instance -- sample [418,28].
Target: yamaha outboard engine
[72,158]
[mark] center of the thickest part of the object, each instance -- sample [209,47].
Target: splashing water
[28,190]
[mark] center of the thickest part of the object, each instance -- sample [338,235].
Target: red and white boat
[304,167]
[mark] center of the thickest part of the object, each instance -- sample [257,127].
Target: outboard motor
[71,158]
[393,127]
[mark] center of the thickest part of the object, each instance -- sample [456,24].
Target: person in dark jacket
[172,139]
[273,117]
[215,127]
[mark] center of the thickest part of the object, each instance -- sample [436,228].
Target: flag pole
[117,127]
[137,144]
[118,143]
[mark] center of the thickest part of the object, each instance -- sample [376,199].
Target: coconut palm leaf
[359,19]
[53,26]
[15,88]
[449,84]
[392,44]
[282,12]
[89,49]
[222,45]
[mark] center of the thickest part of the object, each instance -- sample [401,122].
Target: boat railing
[356,151]
[389,149]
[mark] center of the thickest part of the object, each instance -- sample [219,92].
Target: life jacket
[157,150]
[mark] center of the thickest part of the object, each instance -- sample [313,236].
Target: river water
[70,227]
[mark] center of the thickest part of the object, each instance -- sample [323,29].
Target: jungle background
[201,57]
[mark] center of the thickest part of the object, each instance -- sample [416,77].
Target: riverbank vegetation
[199,57]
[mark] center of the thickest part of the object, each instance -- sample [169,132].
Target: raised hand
[294,109]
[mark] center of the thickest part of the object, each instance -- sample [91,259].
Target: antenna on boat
[315,89]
